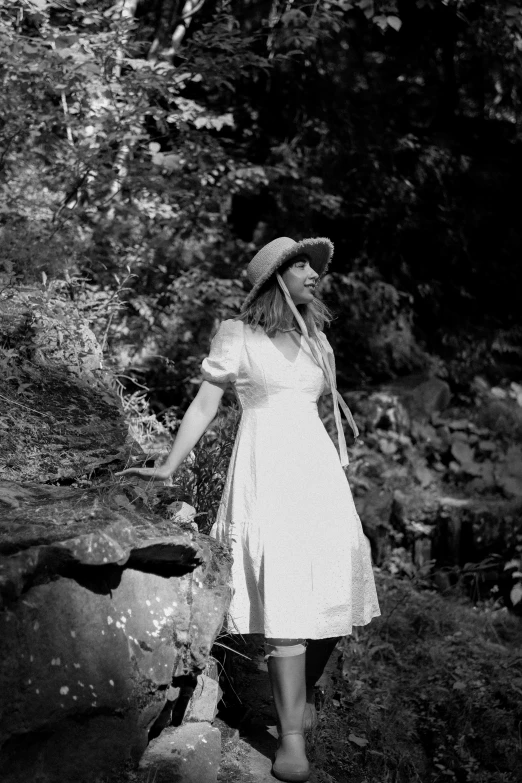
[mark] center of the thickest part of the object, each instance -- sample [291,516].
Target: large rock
[103,602]
[188,754]
[204,702]
[51,530]
[94,629]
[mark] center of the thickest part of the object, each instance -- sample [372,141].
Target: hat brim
[318,249]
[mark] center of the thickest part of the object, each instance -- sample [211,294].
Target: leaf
[459,686]
[367,8]
[516,594]
[122,501]
[458,424]
[394,22]
[22,388]
[39,5]
[172,162]
[66,41]
[137,64]
[514,461]
[387,446]
[499,393]
[380,21]
[487,473]
[423,475]
[360,741]
[487,446]
[294,17]
[462,452]
[511,485]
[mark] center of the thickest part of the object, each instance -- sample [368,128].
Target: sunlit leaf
[360,741]
[516,594]
[394,22]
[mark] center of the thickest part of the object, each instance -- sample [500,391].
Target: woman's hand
[197,418]
[160,473]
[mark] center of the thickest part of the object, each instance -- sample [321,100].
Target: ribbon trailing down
[321,357]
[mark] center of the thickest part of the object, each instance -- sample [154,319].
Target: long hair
[270,310]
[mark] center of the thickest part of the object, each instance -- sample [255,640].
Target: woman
[302,572]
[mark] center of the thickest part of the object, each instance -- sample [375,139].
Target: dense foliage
[147,149]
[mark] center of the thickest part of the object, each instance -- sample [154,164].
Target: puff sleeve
[222,363]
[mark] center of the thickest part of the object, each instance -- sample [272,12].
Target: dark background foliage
[148,149]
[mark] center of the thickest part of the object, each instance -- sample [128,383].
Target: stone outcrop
[189,754]
[93,630]
[106,607]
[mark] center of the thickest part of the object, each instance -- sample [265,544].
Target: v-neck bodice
[269,380]
[286,359]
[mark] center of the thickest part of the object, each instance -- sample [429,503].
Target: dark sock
[318,653]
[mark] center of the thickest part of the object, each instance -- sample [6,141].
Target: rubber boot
[287,677]
[318,653]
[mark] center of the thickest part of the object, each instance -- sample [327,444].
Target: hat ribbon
[319,353]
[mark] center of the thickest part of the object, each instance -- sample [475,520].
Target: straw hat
[318,249]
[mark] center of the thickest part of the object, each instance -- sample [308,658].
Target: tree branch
[66,115]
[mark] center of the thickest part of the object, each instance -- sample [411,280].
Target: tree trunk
[126,9]
[170,32]
[168,11]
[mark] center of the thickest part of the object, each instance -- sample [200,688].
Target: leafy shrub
[374,327]
[201,479]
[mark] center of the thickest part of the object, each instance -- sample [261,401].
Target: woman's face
[300,279]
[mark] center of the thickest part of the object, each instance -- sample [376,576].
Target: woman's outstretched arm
[198,416]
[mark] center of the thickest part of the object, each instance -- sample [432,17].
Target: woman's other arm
[198,416]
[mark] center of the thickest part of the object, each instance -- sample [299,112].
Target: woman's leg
[318,652]
[286,667]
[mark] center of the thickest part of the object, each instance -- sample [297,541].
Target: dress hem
[301,635]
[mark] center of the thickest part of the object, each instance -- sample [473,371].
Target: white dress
[302,565]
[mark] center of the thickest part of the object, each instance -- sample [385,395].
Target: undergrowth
[200,479]
[429,692]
